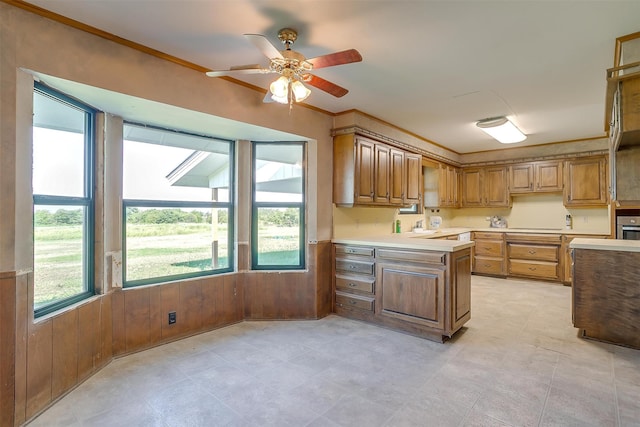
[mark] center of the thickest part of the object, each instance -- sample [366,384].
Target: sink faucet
[419,224]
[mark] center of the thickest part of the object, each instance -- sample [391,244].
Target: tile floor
[518,362]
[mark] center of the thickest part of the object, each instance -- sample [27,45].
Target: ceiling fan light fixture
[280,88]
[501,129]
[300,91]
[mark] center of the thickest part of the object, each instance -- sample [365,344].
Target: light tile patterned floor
[518,362]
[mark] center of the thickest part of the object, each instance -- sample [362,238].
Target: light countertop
[408,242]
[606,245]
[430,239]
[542,231]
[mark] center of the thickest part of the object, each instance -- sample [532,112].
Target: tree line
[283,218]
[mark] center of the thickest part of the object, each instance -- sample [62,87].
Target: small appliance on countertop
[497,222]
[435,222]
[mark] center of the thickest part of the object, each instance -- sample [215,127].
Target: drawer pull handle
[352,285]
[352,302]
[352,267]
[532,268]
[350,251]
[532,252]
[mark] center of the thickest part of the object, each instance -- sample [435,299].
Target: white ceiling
[432,68]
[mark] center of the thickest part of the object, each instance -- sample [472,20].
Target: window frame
[87,202]
[301,206]
[158,203]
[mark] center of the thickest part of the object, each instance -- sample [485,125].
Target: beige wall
[533,211]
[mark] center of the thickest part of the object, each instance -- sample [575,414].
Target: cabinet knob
[352,285]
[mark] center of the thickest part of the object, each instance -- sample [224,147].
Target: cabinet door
[472,187]
[548,176]
[364,171]
[452,187]
[381,173]
[413,294]
[521,178]
[443,178]
[585,182]
[397,178]
[495,186]
[413,178]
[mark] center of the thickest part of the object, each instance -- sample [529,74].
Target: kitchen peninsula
[414,284]
[606,290]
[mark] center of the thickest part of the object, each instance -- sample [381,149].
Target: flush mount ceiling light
[501,129]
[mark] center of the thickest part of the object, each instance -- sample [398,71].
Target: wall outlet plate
[172,317]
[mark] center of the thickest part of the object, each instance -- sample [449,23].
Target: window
[277,226]
[177,209]
[62,179]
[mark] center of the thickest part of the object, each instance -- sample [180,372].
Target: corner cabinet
[371,173]
[423,292]
[485,187]
[585,182]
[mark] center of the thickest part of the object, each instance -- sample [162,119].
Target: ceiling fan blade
[338,58]
[238,70]
[264,45]
[325,85]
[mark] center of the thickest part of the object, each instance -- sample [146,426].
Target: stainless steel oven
[628,227]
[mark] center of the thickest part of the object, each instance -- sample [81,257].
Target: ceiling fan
[293,67]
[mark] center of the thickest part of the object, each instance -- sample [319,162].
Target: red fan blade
[338,58]
[238,70]
[264,45]
[325,85]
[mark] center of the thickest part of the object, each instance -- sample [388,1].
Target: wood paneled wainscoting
[42,360]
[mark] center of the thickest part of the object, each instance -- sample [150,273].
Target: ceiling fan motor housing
[287,36]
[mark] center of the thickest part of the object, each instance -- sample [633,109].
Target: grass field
[153,250]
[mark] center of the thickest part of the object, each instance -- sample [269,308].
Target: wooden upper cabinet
[485,187]
[521,178]
[367,172]
[472,190]
[397,177]
[413,179]
[548,176]
[535,177]
[381,174]
[496,186]
[448,193]
[586,182]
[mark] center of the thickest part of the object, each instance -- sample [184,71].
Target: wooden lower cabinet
[411,293]
[425,293]
[535,256]
[565,250]
[489,253]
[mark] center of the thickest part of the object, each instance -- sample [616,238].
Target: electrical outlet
[172,317]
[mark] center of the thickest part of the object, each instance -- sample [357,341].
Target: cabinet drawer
[538,269]
[354,301]
[411,256]
[351,266]
[533,252]
[488,266]
[489,247]
[350,284]
[482,235]
[354,250]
